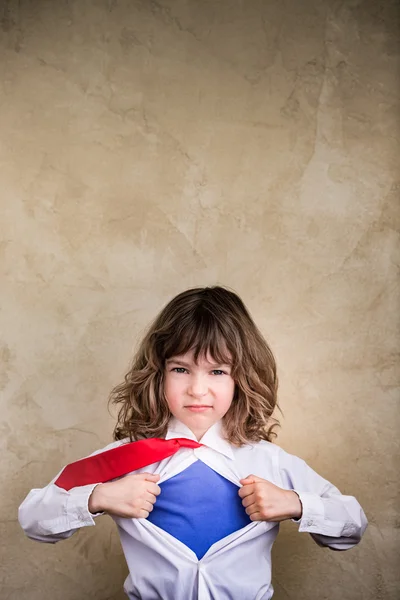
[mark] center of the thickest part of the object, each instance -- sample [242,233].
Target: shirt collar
[213,438]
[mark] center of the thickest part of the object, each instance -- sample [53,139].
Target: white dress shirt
[238,567]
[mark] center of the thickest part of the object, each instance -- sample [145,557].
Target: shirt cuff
[313,512]
[78,506]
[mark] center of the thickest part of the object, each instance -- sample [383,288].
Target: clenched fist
[131,497]
[265,501]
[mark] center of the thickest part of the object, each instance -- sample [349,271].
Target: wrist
[296,505]
[95,503]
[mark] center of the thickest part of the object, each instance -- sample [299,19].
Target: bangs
[212,324]
[204,335]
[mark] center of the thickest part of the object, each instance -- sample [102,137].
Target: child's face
[199,394]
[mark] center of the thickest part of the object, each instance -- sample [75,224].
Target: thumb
[151,476]
[250,479]
[148,476]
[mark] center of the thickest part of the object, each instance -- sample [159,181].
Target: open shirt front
[236,566]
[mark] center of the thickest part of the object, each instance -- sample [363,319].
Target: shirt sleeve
[332,519]
[51,514]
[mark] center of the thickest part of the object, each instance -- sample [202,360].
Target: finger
[151,476]
[149,497]
[246,481]
[256,516]
[252,509]
[249,500]
[147,506]
[144,476]
[153,488]
[251,479]
[246,490]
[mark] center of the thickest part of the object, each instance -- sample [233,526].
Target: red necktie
[120,461]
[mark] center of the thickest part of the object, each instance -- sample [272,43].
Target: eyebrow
[182,363]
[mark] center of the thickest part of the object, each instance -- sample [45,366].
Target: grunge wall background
[149,146]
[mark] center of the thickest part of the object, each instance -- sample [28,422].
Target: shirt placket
[203,589]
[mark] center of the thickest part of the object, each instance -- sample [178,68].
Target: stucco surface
[148,146]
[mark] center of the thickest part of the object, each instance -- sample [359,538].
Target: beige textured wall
[148,146]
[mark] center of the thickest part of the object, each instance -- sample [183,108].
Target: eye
[218,372]
[179,370]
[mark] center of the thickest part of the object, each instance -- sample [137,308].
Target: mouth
[198,407]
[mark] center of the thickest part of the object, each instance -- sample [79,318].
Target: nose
[198,386]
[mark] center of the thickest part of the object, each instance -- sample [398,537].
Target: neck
[198,433]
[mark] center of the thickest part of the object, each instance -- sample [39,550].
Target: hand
[265,501]
[131,497]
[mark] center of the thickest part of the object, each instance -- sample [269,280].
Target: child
[193,482]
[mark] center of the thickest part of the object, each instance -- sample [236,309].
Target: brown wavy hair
[208,321]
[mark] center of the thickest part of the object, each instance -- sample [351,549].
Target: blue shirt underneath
[199,507]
